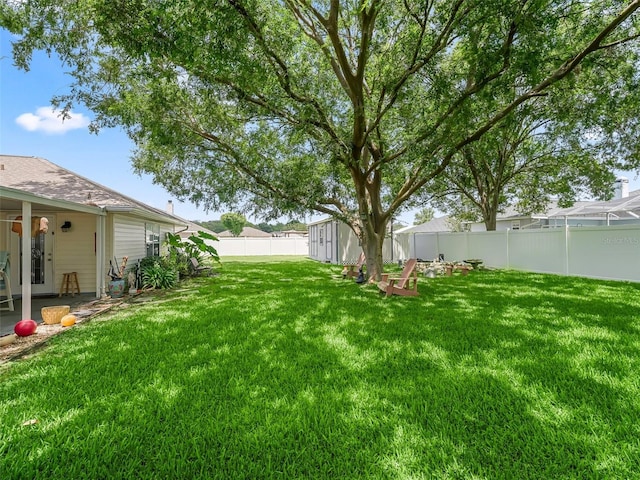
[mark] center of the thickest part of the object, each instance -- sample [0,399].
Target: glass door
[41,252]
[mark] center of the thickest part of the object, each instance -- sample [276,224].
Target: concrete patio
[78,303]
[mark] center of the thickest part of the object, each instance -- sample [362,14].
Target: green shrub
[181,251]
[158,275]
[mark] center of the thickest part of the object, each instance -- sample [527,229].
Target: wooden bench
[464,269]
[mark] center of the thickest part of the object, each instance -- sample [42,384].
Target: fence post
[566,249]
[508,249]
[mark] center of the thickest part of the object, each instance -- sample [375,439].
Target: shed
[331,241]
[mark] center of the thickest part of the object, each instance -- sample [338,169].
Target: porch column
[100,256]
[26,260]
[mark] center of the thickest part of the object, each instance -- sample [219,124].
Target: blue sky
[29,127]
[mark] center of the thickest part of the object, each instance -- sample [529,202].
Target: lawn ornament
[68,320]
[26,327]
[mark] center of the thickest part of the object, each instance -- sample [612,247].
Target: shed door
[329,243]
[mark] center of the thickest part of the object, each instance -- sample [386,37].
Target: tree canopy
[348,108]
[564,145]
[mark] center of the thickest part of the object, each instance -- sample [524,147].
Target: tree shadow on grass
[252,376]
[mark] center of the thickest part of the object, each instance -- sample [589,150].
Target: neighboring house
[621,210]
[331,241]
[88,225]
[511,219]
[404,239]
[437,224]
[290,233]
[624,210]
[246,232]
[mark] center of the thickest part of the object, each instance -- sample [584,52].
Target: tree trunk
[490,223]
[372,243]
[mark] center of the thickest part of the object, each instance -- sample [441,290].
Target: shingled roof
[47,180]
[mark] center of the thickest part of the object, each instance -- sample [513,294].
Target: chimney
[621,187]
[170,207]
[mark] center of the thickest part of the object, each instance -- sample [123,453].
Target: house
[290,233]
[331,241]
[404,239]
[436,224]
[88,225]
[511,219]
[623,209]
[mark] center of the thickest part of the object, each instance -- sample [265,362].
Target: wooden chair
[401,285]
[353,269]
[198,269]
[5,284]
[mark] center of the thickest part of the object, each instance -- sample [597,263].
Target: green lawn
[284,370]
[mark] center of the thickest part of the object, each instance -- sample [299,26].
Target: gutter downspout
[100,256]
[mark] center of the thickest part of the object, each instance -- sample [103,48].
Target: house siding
[129,237]
[74,251]
[164,229]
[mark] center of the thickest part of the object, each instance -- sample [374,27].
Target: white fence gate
[607,252]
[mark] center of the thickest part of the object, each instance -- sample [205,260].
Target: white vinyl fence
[607,252]
[247,246]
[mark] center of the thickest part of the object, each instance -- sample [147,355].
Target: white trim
[26,265]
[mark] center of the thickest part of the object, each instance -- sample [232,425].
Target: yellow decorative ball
[68,320]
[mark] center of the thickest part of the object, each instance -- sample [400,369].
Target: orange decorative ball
[68,320]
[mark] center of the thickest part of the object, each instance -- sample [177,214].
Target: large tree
[347,108]
[524,162]
[564,145]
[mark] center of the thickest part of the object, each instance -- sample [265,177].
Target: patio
[78,304]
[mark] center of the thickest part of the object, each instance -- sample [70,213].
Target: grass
[284,370]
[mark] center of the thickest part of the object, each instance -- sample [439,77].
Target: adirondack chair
[353,269]
[401,285]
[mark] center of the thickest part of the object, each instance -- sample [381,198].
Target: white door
[322,250]
[329,242]
[41,275]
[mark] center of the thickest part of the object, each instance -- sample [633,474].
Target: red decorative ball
[24,328]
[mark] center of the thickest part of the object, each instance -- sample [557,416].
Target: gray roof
[47,180]
[511,213]
[246,232]
[439,224]
[193,228]
[625,207]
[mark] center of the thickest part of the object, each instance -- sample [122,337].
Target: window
[152,236]
[515,225]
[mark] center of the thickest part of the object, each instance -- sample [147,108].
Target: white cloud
[48,120]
